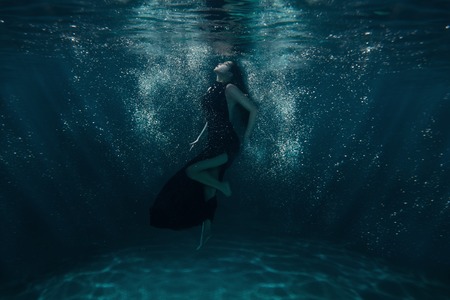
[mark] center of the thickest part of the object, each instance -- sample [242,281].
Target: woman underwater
[189,198]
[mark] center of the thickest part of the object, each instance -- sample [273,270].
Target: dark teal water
[348,169]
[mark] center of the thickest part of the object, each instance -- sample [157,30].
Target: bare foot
[226,189]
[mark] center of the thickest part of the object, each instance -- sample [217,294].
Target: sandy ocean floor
[235,267]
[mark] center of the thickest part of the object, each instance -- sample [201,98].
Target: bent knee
[220,159]
[223,158]
[191,171]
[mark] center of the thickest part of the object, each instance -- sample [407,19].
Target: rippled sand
[230,267]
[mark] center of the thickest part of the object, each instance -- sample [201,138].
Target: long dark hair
[238,78]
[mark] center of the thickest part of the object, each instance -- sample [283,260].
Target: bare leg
[210,192]
[200,172]
[206,233]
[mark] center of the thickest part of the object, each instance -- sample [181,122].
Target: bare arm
[198,138]
[234,95]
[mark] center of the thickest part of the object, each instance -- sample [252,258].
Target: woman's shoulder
[232,90]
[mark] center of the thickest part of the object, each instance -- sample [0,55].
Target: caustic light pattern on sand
[227,268]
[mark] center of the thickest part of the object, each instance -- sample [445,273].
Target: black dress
[180,204]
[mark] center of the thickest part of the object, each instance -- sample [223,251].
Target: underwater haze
[343,192]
